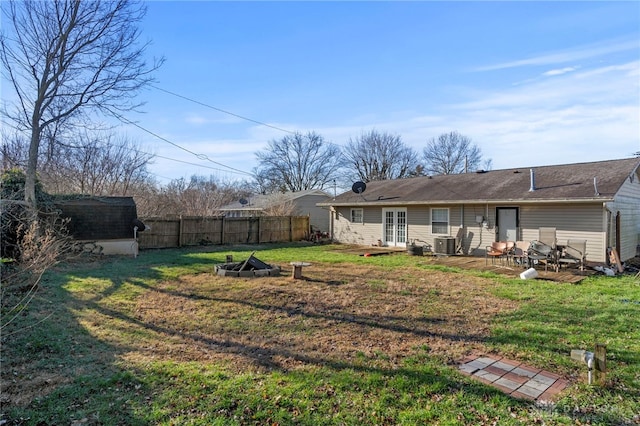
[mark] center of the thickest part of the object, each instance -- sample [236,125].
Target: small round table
[297,269]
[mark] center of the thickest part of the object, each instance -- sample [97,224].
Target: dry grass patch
[338,314]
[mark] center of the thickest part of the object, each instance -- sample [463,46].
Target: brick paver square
[509,384]
[516,377]
[537,385]
[466,369]
[475,365]
[487,375]
[504,389]
[530,392]
[544,378]
[510,362]
[504,365]
[495,370]
[525,371]
[486,360]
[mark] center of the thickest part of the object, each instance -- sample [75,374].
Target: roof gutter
[600,199]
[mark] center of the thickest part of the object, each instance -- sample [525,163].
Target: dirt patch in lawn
[338,315]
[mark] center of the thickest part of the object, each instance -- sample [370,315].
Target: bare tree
[13,150]
[98,164]
[279,204]
[297,162]
[66,58]
[197,196]
[379,156]
[90,164]
[452,153]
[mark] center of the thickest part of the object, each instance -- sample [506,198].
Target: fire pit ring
[252,267]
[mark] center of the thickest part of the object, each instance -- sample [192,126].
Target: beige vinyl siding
[366,233]
[476,236]
[318,216]
[419,224]
[573,221]
[627,202]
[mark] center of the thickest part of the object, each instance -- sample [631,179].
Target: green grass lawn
[363,341]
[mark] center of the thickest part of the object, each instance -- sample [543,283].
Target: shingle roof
[569,182]
[263,201]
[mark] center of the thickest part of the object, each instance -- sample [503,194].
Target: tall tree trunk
[32,165]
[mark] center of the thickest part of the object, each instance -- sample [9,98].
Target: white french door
[394,227]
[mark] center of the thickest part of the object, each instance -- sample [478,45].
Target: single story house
[300,203]
[598,202]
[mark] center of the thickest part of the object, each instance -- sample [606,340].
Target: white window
[440,221]
[356,216]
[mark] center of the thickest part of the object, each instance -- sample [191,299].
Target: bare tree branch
[379,156]
[297,162]
[452,153]
[66,57]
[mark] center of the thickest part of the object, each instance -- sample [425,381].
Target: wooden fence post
[601,363]
[222,231]
[259,227]
[180,232]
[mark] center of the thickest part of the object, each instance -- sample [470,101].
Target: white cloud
[568,55]
[559,71]
[581,114]
[586,115]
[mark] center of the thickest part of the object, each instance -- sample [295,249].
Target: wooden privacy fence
[192,231]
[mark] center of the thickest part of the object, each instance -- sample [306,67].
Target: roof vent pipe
[595,186]
[533,180]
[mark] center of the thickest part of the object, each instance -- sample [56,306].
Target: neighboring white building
[301,203]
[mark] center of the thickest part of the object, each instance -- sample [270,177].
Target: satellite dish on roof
[359,187]
[244,201]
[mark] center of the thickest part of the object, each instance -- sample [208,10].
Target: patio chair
[511,245]
[548,236]
[519,253]
[497,249]
[540,253]
[574,253]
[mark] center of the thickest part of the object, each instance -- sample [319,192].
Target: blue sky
[531,83]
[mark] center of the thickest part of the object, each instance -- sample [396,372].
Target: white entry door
[394,227]
[507,224]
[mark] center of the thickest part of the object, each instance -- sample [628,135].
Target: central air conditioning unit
[445,245]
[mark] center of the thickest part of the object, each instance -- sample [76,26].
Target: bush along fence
[192,231]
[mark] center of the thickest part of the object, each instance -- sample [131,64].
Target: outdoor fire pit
[252,267]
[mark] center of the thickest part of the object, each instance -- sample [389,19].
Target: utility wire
[189,163]
[199,156]
[222,110]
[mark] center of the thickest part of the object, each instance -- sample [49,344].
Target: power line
[199,156]
[234,114]
[222,110]
[189,163]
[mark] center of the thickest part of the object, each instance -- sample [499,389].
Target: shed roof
[579,182]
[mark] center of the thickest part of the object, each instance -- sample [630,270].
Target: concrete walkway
[514,378]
